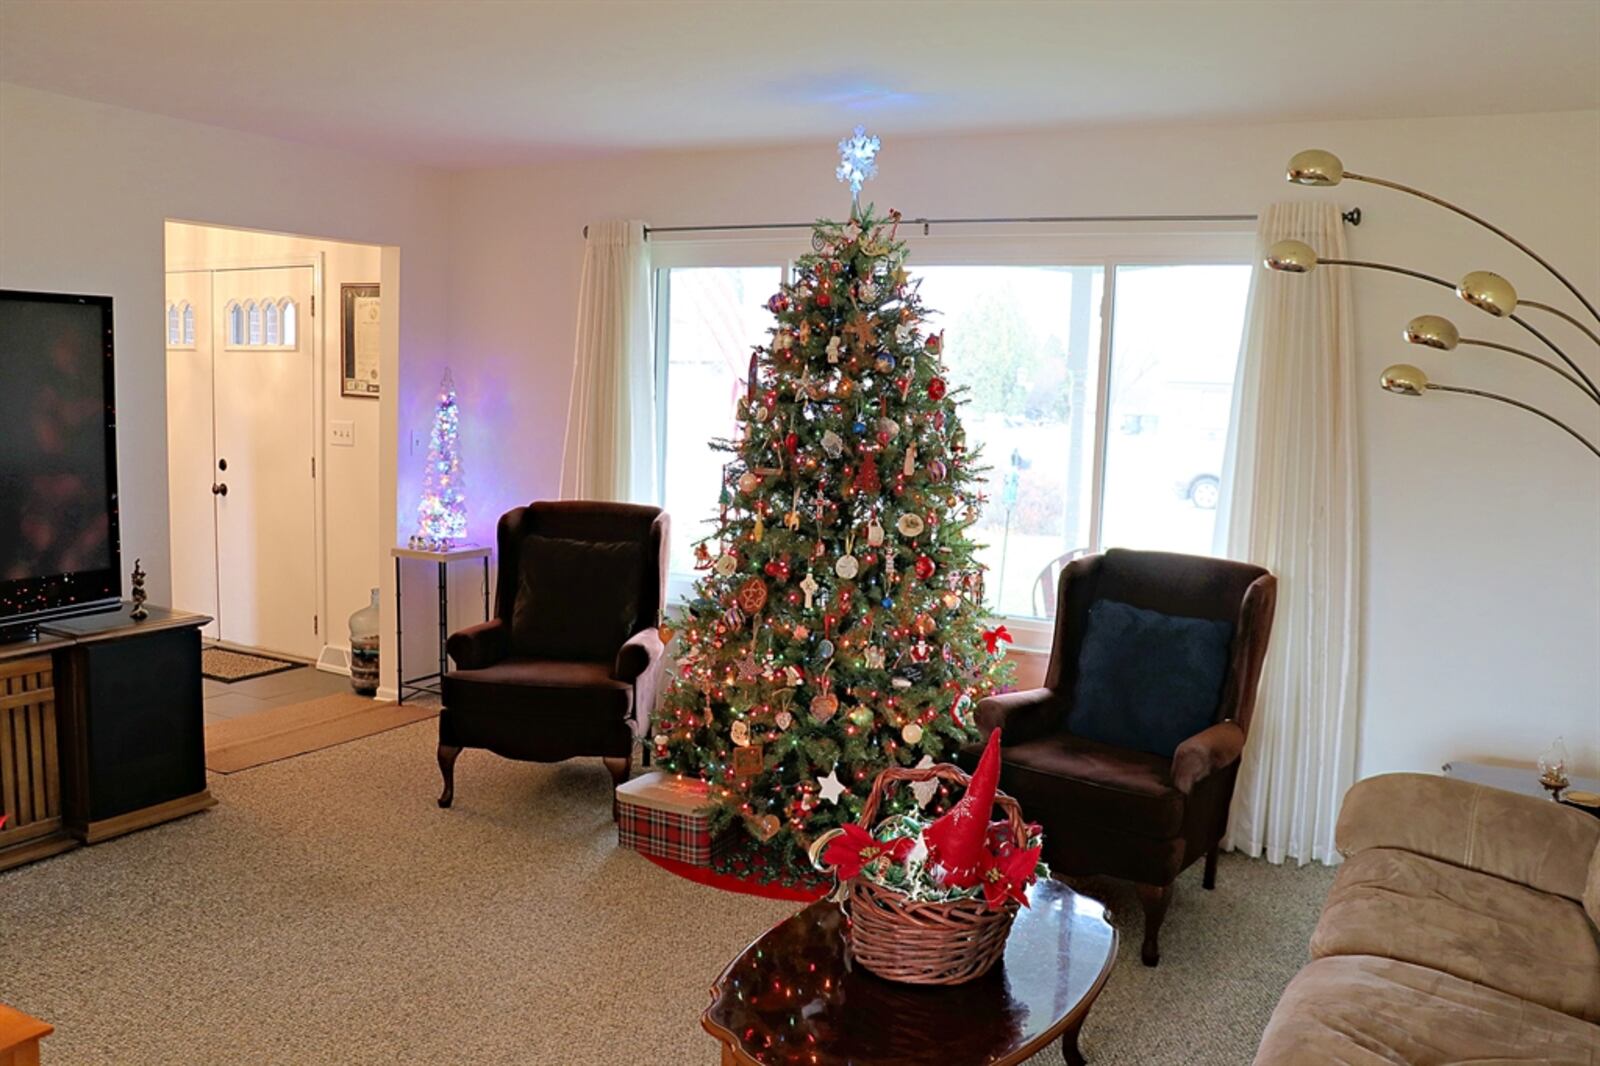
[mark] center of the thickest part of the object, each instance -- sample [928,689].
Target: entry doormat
[219,664]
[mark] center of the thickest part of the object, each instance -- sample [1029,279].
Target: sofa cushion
[1530,944]
[1359,1010]
[576,599]
[1068,780]
[538,709]
[1147,680]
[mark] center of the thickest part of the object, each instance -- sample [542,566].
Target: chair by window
[1044,586]
[572,661]
[1121,811]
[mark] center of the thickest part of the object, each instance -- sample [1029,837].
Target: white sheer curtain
[1292,505]
[611,438]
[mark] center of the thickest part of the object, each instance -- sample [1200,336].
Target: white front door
[263,382]
[190,444]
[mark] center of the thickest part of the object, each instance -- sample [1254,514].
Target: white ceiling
[461,83]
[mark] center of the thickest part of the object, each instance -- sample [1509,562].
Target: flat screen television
[59,548]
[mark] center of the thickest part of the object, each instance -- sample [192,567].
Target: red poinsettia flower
[854,848]
[1008,877]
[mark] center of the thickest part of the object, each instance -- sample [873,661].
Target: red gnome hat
[957,841]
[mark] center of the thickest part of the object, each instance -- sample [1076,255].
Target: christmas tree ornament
[936,389]
[858,427]
[911,733]
[872,657]
[809,586]
[759,531]
[748,668]
[739,733]
[923,567]
[910,525]
[867,481]
[935,343]
[835,345]
[904,334]
[778,303]
[783,720]
[993,638]
[921,651]
[748,483]
[888,429]
[875,534]
[900,682]
[937,471]
[726,564]
[861,717]
[793,676]
[753,596]
[832,444]
[825,649]
[910,466]
[824,707]
[830,788]
[884,363]
[847,566]
[764,827]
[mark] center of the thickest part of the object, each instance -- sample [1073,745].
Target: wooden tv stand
[102,730]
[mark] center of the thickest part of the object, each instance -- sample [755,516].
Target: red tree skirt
[750,884]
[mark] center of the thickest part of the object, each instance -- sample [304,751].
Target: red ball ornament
[823,299]
[936,388]
[791,443]
[924,567]
[778,303]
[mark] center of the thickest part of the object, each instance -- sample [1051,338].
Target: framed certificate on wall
[360,319]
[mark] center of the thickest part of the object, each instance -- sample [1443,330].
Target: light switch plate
[342,434]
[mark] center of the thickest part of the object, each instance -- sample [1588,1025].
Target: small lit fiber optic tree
[442,510]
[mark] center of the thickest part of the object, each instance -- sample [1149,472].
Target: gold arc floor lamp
[1482,289]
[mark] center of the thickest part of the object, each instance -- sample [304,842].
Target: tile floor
[274,690]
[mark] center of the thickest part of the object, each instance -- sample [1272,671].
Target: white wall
[1482,569]
[84,192]
[348,475]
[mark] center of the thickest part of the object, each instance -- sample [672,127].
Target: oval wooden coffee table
[793,996]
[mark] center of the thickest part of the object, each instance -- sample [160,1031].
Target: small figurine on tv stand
[138,594]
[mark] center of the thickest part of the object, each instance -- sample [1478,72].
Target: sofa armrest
[641,661]
[1525,839]
[1023,715]
[478,646]
[1205,753]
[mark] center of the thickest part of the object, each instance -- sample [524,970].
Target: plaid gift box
[665,816]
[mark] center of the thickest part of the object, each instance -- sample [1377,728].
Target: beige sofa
[1464,926]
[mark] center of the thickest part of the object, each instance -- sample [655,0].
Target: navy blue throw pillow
[1146,680]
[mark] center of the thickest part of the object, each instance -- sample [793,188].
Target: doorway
[273,475]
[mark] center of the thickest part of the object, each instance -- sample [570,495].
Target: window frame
[1182,244]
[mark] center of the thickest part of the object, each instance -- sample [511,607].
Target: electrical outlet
[342,434]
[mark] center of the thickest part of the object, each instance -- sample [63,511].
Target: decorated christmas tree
[442,510]
[839,625]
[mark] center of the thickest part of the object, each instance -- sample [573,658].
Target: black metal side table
[431,684]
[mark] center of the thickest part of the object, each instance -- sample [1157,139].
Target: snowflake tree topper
[858,161]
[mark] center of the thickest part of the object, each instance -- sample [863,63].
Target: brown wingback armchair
[1116,810]
[571,663]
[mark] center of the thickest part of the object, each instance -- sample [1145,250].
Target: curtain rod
[1352,216]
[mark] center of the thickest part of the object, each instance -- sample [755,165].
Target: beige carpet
[236,744]
[327,912]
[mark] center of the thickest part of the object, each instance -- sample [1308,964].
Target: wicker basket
[924,943]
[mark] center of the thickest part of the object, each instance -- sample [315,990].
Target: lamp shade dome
[1488,291]
[1292,257]
[1315,167]
[1432,331]
[1404,379]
